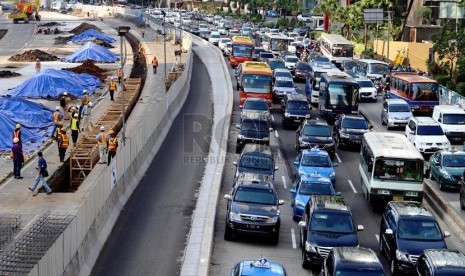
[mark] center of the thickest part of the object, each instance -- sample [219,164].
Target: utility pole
[388,34]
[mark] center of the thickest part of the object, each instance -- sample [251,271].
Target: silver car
[395,113]
[283,86]
[256,108]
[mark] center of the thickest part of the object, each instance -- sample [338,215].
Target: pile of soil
[60,40]
[51,24]
[33,55]
[90,68]
[84,27]
[8,74]
[103,43]
[3,33]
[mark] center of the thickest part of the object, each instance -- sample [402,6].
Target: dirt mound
[60,40]
[33,55]
[84,27]
[50,24]
[8,74]
[90,68]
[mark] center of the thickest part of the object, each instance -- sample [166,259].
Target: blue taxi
[306,186]
[261,267]
[315,160]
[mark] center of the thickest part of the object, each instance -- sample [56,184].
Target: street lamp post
[122,31]
[164,46]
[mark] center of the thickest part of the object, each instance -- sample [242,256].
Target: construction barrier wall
[107,189]
[415,53]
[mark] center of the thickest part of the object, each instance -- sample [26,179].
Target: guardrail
[447,96]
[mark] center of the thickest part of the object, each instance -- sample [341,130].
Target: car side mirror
[436,162]
[335,164]
[371,127]
[227,197]
[388,232]
[238,126]
[302,224]
[338,194]
[411,131]
[446,234]
[281,202]
[360,227]
[296,162]
[276,168]
[270,129]
[235,163]
[439,120]
[282,102]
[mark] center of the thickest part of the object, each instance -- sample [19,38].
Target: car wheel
[297,147]
[462,204]
[381,247]
[228,233]
[275,238]
[441,185]
[285,126]
[431,176]
[394,270]
[305,263]
[337,140]
[237,84]
[382,121]
[238,149]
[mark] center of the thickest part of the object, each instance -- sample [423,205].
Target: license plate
[397,198]
[297,121]
[456,139]
[357,141]
[253,227]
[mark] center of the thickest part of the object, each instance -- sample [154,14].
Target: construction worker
[41,174]
[112,145]
[75,128]
[102,144]
[85,116]
[63,143]
[38,66]
[84,101]
[112,88]
[57,133]
[18,158]
[17,134]
[142,32]
[74,109]
[155,64]
[64,103]
[57,120]
[119,74]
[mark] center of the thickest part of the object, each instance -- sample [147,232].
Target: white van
[452,120]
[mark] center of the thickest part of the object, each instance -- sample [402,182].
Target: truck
[26,11]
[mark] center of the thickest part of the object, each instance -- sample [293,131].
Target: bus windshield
[398,170]
[342,51]
[279,44]
[242,50]
[343,94]
[256,83]
[424,91]
[378,68]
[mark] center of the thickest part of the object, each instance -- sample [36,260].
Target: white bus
[312,83]
[372,69]
[276,43]
[336,48]
[391,168]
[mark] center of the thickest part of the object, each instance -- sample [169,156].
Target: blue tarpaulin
[52,83]
[92,51]
[91,35]
[35,119]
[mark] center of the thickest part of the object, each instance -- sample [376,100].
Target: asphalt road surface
[150,234]
[17,37]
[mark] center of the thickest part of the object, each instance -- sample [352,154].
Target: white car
[292,47]
[367,89]
[290,61]
[227,49]
[222,43]
[214,38]
[395,113]
[222,30]
[304,17]
[426,135]
[293,35]
[452,120]
[203,28]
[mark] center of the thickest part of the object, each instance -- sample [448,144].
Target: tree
[327,8]
[449,45]
[425,15]
[351,17]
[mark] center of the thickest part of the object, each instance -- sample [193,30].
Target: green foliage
[443,79]
[425,14]
[449,45]
[460,88]
[237,12]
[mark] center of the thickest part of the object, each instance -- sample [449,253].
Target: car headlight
[266,138]
[413,194]
[344,135]
[299,203]
[310,247]
[330,145]
[447,175]
[401,256]
[240,136]
[287,114]
[332,175]
[272,220]
[235,216]
[383,192]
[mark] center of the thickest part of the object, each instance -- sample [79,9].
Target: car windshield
[317,130]
[399,108]
[316,161]
[454,119]
[298,105]
[343,51]
[378,68]
[321,58]
[255,196]
[332,222]
[276,64]
[292,59]
[256,83]
[284,83]
[349,65]
[266,55]
[303,66]
[283,74]
[316,188]
[343,95]
[355,123]
[256,125]
[256,105]
[398,170]
[411,229]
[360,271]
[224,40]
[366,83]
[424,91]
[242,50]
[429,130]
[257,162]
[215,36]
[278,44]
[454,160]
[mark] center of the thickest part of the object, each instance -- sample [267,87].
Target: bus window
[386,169]
[424,91]
[342,95]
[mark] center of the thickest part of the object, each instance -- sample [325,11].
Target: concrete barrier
[107,189]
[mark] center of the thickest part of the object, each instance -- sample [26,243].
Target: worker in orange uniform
[75,128]
[112,88]
[17,134]
[84,101]
[38,66]
[57,120]
[119,74]
[102,144]
[112,145]
[63,143]
[155,64]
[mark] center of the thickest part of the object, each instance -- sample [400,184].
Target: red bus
[254,81]
[241,50]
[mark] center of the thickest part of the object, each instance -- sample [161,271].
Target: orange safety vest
[155,62]
[119,73]
[103,139]
[64,141]
[112,85]
[56,117]
[112,144]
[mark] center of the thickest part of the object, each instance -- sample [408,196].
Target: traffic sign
[373,16]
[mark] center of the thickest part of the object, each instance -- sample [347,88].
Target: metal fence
[447,96]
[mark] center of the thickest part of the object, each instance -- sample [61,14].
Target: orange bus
[254,81]
[241,50]
[420,92]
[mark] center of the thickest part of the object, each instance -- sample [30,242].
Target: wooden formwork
[84,155]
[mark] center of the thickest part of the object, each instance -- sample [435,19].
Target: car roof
[316,122]
[257,178]
[450,109]
[452,151]
[282,70]
[353,116]
[249,268]
[255,100]
[314,151]
[256,120]
[396,101]
[318,178]
[354,255]
[275,59]
[362,79]
[425,121]
[324,202]
[445,258]
[249,148]
[296,97]
[284,79]
[410,208]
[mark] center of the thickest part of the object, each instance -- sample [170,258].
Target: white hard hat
[90,103]
[75,115]
[66,93]
[102,128]
[84,91]
[57,108]
[15,140]
[78,106]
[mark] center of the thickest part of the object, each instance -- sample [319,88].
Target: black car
[295,109]
[435,262]
[253,209]
[326,223]
[352,261]
[253,178]
[252,131]
[408,228]
[265,56]
[349,129]
[256,158]
[275,63]
[205,35]
[256,53]
[301,71]
[315,133]
[302,31]
[194,30]
[317,57]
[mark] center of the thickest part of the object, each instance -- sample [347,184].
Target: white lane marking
[284,182]
[377,237]
[280,156]
[276,134]
[294,244]
[272,118]
[338,159]
[352,186]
